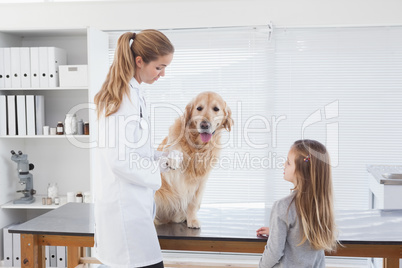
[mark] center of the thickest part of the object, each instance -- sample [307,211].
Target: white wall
[163,14]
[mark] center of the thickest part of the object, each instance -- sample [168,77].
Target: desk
[368,233]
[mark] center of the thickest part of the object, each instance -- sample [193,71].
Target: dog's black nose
[205,125]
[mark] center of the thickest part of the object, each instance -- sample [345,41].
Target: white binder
[21,116]
[47,257]
[8,247]
[3,115]
[15,67]
[2,74]
[34,54]
[11,115]
[31,127]
[40,113]
[7,67]
[61,257]
[57,57]
[53,256]
[43,67]
[25,67]
[16,250]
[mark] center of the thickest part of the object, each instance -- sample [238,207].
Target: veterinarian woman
[128,169]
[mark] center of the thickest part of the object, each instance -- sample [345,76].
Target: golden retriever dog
[197,134]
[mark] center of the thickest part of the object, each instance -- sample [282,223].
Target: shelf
[46,137]
[35,205]
[57,32]
[45,88]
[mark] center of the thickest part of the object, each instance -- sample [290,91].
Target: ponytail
[149,45]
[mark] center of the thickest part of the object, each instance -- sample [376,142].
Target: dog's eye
[199,108]
[216,109]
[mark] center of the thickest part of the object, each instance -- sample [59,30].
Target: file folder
[43,67]
[7,67]
[61,257]
[47,257]
[8,246]
[16,250]
[40,113]
[34,54]
[53,256]
[15,67]
[25,67]
[11,115]
[2,74]
[56,57]
[3,115]
[31,126]
[21,116]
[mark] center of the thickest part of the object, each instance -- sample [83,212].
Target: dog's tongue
[205,137]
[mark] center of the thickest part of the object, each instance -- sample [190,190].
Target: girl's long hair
[314,196]
[149,45]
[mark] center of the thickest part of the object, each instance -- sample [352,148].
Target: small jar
[87,197]
[57,201]
[70,197]
[78,197]
[86,128]
[49,201]
[59,128]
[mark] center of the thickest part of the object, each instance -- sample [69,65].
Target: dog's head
[207,114]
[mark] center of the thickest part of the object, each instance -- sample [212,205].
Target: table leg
[391,263]
[32,254]
[73,256]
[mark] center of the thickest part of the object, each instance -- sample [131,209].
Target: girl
[128,175]
[302,224]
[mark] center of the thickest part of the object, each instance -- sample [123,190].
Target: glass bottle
[59,128]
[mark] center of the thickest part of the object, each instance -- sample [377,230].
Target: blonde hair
[149,45]
[313,196]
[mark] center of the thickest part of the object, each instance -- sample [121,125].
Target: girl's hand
[263,231]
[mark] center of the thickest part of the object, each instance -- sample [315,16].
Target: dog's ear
[228,121]
[187,112]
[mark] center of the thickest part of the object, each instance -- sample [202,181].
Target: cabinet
[65,160]
[384,193]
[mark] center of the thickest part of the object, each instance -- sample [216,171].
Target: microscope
[25,177]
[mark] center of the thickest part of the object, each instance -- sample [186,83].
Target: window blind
[341,86]
[354,73]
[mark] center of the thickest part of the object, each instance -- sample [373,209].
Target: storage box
[73,75]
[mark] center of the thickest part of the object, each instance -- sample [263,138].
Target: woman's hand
[263,231]
[170,160]
[175,158]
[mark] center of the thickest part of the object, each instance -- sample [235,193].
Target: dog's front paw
[194,224]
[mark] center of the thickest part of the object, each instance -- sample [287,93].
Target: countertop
[225,224]
[379,170]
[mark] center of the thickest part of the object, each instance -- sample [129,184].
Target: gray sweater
[284,236]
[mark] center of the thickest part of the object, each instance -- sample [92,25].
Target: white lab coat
[125,234]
